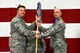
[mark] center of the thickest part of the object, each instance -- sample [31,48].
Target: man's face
[21,11]
[57,13]
[38,23]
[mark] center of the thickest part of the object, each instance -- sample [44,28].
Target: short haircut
[20,6]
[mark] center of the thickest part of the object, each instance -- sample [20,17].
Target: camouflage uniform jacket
[19,32]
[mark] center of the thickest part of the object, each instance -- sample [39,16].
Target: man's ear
[17,11]
[60,13]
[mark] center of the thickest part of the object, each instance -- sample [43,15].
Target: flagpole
[37,42]
[38,16]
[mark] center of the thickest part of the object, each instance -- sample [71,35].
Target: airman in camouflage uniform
[56,31]
[31,45]
[19,32]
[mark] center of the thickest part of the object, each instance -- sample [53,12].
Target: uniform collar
[18,16]
[58,19]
